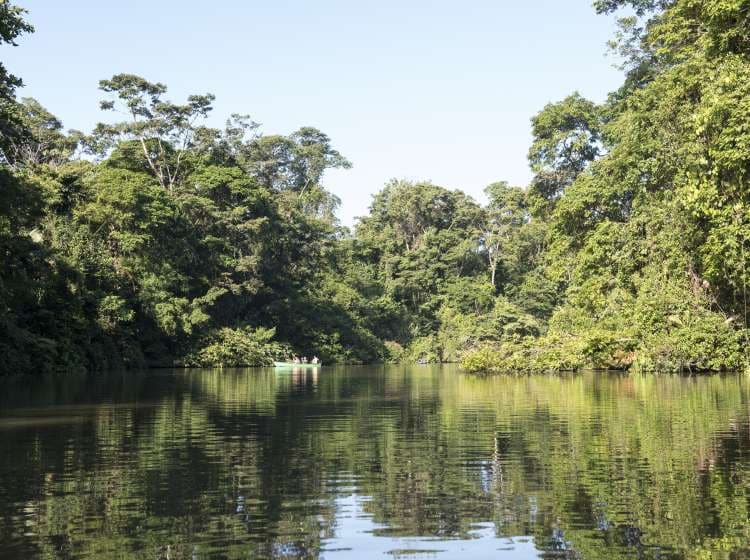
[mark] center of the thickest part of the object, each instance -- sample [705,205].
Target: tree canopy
[160,240]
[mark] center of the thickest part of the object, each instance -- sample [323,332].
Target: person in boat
[304,359]
[295,360]
[315,360]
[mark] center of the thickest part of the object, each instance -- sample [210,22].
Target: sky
[414,89]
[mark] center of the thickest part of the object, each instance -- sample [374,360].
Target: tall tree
[505,214]
[42,140]
[12,26]
[567,138]
[164,131]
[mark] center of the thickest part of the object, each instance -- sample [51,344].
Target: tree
[567,139]
[423,239]
[295,162]
[505,214]
[164,130]
[640,7]
[41,139]
[12,26]
[182,242]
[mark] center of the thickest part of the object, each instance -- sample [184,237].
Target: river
[368,462]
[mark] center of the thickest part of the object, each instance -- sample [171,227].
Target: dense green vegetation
[158,240]
[645,199]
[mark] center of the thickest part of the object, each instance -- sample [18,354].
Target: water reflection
[374,463]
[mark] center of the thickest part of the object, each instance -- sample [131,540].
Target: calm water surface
[374,462]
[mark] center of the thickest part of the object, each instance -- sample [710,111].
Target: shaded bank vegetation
[158,240]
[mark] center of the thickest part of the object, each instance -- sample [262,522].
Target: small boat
[294,365]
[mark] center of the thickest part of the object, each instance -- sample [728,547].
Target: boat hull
[291,365]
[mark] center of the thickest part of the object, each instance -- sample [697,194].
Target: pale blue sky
[439,90]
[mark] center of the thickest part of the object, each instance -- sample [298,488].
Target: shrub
[395,352]
[480,360]
[244,346]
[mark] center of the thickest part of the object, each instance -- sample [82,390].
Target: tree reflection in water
[358,462]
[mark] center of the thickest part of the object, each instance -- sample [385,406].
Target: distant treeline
[158,240]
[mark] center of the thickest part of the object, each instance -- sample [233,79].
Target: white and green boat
[295,365]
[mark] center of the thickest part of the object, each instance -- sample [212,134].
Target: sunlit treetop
[12,26]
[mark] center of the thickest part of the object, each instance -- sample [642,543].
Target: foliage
[668,326]
[12,25]
[566,140]
[164,130]
[647,237]
[180,243]
[237,347]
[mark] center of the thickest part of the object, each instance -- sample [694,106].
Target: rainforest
[156,240]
